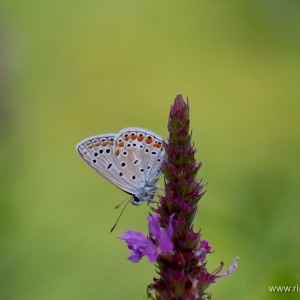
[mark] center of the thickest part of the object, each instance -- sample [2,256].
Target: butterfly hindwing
[140,153]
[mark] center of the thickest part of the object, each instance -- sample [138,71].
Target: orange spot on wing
[121,144]
[111,142]
[104,143]
[149,140]
[140,138]
[157,145]
[133,136]
[117,152]
[97,144]
[126,138]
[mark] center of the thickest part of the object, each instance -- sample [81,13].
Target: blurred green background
[71,69]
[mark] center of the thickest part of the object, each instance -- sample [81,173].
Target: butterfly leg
[152,201]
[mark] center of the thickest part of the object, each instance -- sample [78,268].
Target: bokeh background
[71,69]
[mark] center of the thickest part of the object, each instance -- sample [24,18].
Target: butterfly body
[130,159]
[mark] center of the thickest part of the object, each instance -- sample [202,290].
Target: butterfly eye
[136,199]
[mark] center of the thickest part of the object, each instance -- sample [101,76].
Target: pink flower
[158,242]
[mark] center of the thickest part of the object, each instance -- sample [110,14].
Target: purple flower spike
[182,271]
[158,242]
[178,251]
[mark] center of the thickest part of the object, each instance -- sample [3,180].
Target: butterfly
[130,159]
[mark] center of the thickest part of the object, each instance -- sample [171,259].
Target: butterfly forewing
[99,152]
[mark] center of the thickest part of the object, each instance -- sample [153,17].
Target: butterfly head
[145,193]
[136,200]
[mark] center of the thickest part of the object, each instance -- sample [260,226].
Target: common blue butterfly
[130,159]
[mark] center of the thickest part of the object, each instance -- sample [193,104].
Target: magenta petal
[165,239]
[165,242]
[154,225]
[159,241]
[230,270]
[137,242]
[151,251]
[171,229]
[205,245]
[201,254]
[134,257]
[133,237]
[204,249]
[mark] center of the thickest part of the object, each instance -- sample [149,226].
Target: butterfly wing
[139,152]
[99,152]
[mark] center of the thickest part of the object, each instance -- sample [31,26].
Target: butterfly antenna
[116,207]
[120,214]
